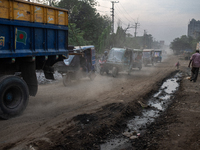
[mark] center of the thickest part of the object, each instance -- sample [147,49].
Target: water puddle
[157,103]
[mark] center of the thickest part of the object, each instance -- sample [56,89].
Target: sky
[163,19]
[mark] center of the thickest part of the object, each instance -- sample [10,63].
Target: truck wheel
[114,71]
[66,80]
[14,96]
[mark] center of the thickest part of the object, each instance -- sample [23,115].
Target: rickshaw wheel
[101,71]
[66,80]
[107,71]
[114,72]
[129,71]
[92,76]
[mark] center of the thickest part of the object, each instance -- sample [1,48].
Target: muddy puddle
[136,126]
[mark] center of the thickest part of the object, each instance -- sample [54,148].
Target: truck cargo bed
[29,29]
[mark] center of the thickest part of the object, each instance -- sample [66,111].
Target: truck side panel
[17,41]
[29,29]
[31,12]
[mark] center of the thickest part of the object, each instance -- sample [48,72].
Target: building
[194,28]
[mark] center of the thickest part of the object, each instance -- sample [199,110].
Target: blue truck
[32,37]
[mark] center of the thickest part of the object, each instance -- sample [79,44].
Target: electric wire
[127,12]
[123,14]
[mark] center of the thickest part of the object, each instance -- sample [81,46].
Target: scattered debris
[127,134]
[31,147]
[188,78]
[133,137]
[142,104]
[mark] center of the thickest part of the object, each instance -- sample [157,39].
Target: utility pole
[136,26]
[144,46]
[112,11]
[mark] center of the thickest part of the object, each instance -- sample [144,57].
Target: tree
[84,15]
[147,41]
[75,36]
[104,40]
[182,43]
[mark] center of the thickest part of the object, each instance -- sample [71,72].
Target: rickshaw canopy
[116,54]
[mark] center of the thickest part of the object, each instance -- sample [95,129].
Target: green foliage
[183,43]
[104,40]
[84,15]
[147,41]
[76,36]
[132,42]
[87,27]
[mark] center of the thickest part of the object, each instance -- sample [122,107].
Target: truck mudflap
[48,72]
[29,76]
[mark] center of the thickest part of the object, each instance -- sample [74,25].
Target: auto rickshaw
[158,55]
[80,63]
[148,57]
[137,58]
[119,59]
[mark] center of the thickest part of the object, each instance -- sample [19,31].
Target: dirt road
[50,118]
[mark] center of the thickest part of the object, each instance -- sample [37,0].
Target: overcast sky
[163,19]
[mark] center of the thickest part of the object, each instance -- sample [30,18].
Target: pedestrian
[195,60]
[177,65]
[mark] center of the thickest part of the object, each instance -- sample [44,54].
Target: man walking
[195,60]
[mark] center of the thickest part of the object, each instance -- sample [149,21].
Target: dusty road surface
[83,115]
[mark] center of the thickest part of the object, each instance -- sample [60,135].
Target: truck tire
[14,96]
[67,80]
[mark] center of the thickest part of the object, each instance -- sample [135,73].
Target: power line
[102,10]
[103,6]
[124,15]
[120,19]
[127,13]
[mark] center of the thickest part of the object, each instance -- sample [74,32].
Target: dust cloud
[53,98]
